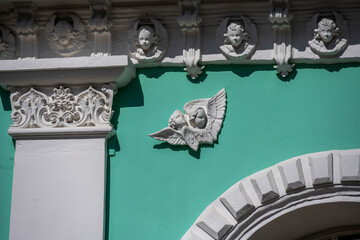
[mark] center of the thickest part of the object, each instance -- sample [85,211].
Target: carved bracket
[39,109]
[26,29]
[100,24]
[280,18]
[189,21]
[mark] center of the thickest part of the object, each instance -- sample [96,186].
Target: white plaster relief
[295,180]
[350,167]
[321,169]
[201,122]
[264,182]
[26,29]
[147,40]
[7,44]
[100,24]
[238,202]
[66,37]
[265,187]
[189,22]
[34,109]
[280,18]
[328,37]
[216,227]
[236,38]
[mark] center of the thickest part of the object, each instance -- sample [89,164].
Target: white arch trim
[323,177]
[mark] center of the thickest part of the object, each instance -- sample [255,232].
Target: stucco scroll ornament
[201,122]
[7,44]
[329,37]
[148,41]
[34,109]
[236,39]
[65,36]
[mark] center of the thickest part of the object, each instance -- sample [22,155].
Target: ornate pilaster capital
[26,29]
[189,22]
[61,111]
[100,24]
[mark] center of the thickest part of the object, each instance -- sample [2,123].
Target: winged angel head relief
[201,122]
[66,36]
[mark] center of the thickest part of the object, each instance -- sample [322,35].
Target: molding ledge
[67,71]
[324,177]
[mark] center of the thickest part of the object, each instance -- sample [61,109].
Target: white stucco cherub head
[235,34]
[63,33]
[146,38]
[177,120]
[329,36]
[326,30]
[236,37]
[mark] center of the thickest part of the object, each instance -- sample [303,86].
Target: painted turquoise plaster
[6,165]
[156,191]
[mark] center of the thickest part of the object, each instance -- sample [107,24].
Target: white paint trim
[324,177]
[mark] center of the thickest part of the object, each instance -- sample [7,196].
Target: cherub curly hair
[232,26]
[324,22]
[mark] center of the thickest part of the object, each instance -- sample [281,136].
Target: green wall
[6,164]
[156,191]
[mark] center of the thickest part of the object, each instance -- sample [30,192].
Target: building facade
[84,83]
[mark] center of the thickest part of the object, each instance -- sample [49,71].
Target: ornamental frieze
[36,109]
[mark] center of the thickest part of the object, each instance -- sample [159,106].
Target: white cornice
[123,14]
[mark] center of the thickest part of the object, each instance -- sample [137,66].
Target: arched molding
[253,202]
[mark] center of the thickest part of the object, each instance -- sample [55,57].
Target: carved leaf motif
[62,109]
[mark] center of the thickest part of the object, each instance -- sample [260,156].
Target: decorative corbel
[280,18]
[99,25]
[26,29]
[189,21]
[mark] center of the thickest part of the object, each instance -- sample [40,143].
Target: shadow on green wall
[5,99]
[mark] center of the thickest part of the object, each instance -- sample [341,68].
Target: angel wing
[341,24]
[161,32]
[251,29]
[50,26]
[216,111]
[221,29]
[193,137]
[311,26]
[78,25]
[169,135]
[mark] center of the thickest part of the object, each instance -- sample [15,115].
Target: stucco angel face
[200,118]
[326,28]
[177,120]
[63,32]
[235,34]
[146,38]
